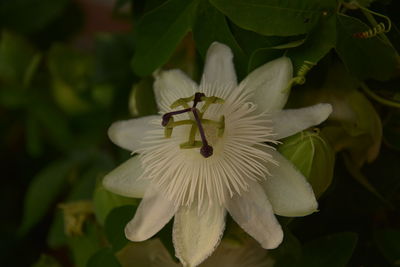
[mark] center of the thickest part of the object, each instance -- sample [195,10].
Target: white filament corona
[185,176]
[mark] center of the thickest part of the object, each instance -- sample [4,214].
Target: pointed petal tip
[325,108]
[299,213]
[114,130]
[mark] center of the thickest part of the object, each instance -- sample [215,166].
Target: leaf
[273,17]
[142,100]
[104,257]
[387,241]
[165,236]
[262,56]
[356,173]
[113,54]
[43,190]
[211,26]
[18,60]
[159,32]
[56,236]
[313,157]
[46,261]
[115,224]
[105,202]
[329,251]
[70,71]
[29,16]
[84,246]
[391,131]
[364,57]
[34,143]
[318,43]
[289,252]
[52,122]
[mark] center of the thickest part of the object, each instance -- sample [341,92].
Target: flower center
[196,121]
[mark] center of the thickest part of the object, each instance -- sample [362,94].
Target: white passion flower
[210,152]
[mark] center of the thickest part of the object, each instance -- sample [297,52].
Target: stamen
[196,121]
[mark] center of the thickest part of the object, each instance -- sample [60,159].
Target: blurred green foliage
[62,84]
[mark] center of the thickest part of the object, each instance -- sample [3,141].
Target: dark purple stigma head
[206,151]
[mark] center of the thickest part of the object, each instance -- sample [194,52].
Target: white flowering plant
[200,133]
[234,167]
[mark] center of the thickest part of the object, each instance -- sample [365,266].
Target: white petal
[219,70]
[253,212]
[290,121]
[124,181]
[171,85]
[288,190]
[269,83]
[197,232]
[153,213]
[128,134]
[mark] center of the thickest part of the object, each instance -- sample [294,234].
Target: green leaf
[273,17]
[105,202]
[84,246]
[70,72]
[113,54]
[262,56]
[211,26]
[313,157]
[356,173]
[33,139]
[42,192]
[29,16]
[329,251]
[364,57]
[391,131]
[52,122]
[56,236]
[318,43]
[115,224]
[142,100]
[18,60]
[388,244]
[159,32]
[165,236]
[289,252]
[46,261]
[104,257]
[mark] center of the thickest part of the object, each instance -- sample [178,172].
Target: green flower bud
[313,156]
